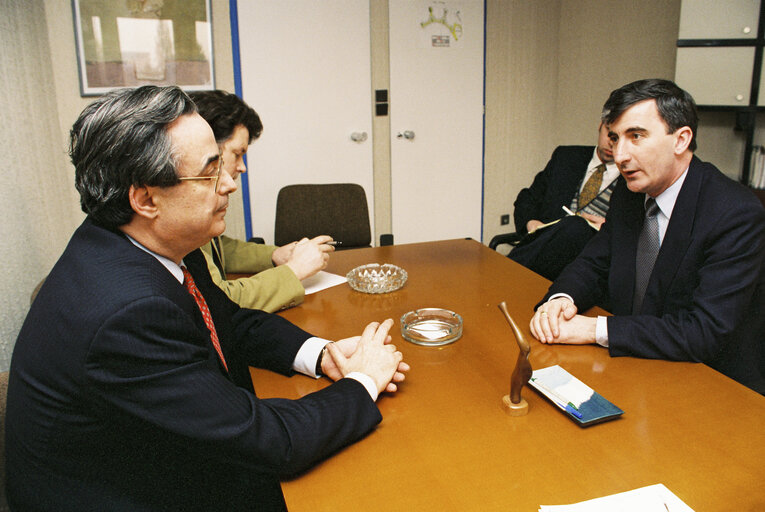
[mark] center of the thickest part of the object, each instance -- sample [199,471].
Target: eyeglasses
[215,177]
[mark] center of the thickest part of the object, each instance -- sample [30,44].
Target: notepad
[576,399]
[321,281]
[653,498]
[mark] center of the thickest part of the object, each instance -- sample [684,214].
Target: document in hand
[579,401]
[654,498]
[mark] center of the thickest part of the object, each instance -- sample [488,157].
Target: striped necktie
[188,282]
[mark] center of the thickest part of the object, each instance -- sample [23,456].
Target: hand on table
[556,321]
[372,353]
[305,257]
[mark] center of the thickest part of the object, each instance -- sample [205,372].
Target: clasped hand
[556,321]
[371,353]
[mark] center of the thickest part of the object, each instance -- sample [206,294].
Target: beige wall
[550,65]
[639,43]
[521,88]
[38,203]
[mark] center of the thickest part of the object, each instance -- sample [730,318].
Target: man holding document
[564,206]
[679,260]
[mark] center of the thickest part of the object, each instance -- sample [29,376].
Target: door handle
[359,137]
[407,134]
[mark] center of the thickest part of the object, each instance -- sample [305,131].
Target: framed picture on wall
[128,43]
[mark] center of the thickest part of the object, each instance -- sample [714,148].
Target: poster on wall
[130,43]
[441,24]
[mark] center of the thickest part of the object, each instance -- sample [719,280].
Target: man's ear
[683,138]
[142,201]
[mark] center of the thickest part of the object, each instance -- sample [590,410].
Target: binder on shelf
[577,400]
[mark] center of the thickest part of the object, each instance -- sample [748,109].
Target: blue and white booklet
[576,399]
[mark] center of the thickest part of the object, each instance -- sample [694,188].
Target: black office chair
[336,209]
[505,239]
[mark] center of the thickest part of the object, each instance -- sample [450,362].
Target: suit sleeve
[242,257]
[149,362]
[710,297]
[270,290]
[529,203]
[586,278]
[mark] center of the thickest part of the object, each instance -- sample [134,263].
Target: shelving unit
[716,43]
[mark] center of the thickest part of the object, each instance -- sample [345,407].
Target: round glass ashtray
[431,327]
[376,278]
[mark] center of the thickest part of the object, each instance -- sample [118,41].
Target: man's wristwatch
[319,360]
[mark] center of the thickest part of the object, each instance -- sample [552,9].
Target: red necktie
[188,282]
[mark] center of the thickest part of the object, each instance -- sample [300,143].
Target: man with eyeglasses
[129,386]
[277,271]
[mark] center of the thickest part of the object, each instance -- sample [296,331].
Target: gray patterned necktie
[647,249]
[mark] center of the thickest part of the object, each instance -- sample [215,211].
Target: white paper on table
[562,384]
[321,281]
[653,498]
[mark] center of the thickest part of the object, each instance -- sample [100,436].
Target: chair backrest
[336,209]
[3,400]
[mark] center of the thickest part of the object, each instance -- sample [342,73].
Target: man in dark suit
[129,384]
[680,256]
[580,178]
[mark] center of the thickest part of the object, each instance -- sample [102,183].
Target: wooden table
[445,443]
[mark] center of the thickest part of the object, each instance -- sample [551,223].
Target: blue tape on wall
[234,20]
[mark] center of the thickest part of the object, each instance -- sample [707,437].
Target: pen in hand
[333,243]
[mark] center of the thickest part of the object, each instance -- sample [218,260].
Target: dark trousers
[549,250]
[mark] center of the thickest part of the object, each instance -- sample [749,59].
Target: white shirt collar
[612,172]
[667,199]
[170,265]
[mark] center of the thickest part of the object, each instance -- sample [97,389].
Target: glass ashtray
[431,327]
[376,278]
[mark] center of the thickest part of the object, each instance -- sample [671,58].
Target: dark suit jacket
[705,300]
[117,400]
[553,187]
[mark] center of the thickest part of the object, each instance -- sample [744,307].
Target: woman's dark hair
[224,111]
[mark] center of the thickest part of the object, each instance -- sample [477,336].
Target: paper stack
[654,498]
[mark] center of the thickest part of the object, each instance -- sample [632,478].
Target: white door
[436,95]
[306,70]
